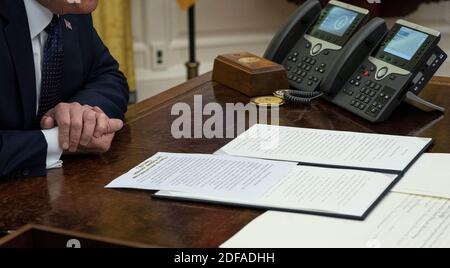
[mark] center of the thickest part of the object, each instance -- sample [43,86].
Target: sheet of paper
[400,221]
[429,176]
[312,189]
[335,148]
[205,174]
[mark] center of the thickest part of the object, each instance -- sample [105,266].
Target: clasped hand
[82,128]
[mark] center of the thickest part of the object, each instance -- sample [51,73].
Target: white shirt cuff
[54,152]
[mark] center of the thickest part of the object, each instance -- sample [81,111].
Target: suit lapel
[72,52]
[2,19]
[17,35]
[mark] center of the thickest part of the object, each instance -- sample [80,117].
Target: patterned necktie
[52,67]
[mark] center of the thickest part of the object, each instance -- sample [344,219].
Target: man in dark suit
[60,89]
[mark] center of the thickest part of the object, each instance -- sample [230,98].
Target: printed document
[332,192]
[400,221]
[204,174]
[259,183]
[429,176]
[328,148]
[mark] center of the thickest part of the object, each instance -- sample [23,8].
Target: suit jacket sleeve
[106,86]
[22,154]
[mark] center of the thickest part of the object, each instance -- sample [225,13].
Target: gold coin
[280,93]
[268,101]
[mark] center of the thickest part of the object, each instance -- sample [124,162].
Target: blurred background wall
[160,41]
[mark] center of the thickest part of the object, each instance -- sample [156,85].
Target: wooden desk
[74,198]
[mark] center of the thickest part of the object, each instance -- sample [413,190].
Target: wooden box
[34,236]
[249,74]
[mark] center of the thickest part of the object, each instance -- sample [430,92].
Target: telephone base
[422,104]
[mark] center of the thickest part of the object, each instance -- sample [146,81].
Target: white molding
[151,83]
[223,40]
[142,55]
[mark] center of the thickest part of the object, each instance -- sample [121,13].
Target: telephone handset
[403,63]
[284,41]
[313,40]
[360,47]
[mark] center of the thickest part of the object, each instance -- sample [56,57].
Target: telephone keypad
[301,71]
[368,99]
[377,105]
[348,92]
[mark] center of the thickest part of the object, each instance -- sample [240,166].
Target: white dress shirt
[39,18]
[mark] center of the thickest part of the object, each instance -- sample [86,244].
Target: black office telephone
[400,68]
[329,53]
[313,40]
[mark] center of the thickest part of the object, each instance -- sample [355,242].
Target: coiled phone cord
[301,97]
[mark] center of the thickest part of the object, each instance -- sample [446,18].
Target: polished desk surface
[74,197]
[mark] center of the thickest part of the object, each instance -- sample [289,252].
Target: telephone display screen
[338,21]
[406,43]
